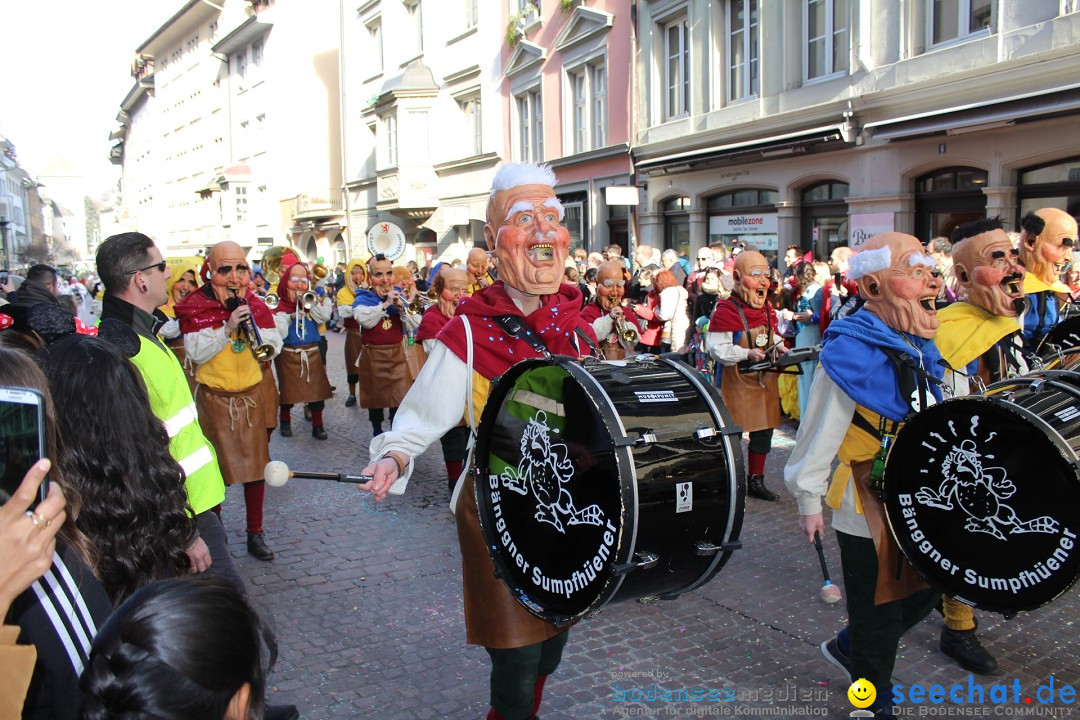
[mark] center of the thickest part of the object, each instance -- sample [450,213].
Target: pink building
[567,78]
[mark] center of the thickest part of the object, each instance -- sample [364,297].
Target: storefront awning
[775,145]
[986,115]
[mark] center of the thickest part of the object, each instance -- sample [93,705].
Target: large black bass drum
[1060,347]
[982,492]
[606,481]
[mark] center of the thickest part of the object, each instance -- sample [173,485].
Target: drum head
[1062,337]
[983,498]
[550,485]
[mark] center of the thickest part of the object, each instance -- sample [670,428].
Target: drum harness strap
[512,326]
[745,364]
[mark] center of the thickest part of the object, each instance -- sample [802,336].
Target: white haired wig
[510,175]
[869,261]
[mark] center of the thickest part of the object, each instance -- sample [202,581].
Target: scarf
[494,352]
[967,331]
[852,356]
[201,310]
[726,316]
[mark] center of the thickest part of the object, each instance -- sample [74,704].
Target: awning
[985,115]
[774,145]
[241,36]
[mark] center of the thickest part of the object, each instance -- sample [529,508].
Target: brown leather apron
[301,375]
[384,376]
[233,423]
[612,350]
[354,345]
[753,399]
[177,346]
[268,397]
[896,579]
[493,618]
[415,357]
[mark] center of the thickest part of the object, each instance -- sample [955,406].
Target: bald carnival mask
[1047,238]
[898,280]
[524,227]
[610,285]
[752,278]
[989,271]
[229,271]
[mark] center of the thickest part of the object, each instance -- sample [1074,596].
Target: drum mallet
[277,473]
[829,592]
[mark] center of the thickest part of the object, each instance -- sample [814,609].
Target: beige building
[820,122]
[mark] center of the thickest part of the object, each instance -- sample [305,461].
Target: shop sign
[863,226]
[743,224]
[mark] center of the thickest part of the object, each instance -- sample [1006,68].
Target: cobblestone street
[366,600]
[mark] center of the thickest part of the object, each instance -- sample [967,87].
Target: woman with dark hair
[61,611]
[177,649]
[134,505]
[649,311]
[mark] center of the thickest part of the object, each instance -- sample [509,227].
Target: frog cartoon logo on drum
[544,471]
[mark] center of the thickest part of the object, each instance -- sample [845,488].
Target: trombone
[307,301]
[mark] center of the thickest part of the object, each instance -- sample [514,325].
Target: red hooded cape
[726,316]
[432,323]
[201,310]
[494,351]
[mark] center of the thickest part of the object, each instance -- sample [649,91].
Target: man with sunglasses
[216,322]
[606,311]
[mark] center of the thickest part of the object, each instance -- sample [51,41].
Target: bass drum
[1060,347]
[982,492]
[605,482]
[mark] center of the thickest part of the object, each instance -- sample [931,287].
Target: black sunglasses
[159,265]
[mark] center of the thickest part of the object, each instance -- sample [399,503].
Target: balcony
[315,205]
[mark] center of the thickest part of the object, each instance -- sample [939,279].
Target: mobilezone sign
[765,224]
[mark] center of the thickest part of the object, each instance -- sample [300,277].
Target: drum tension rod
[643,560]
[708,548]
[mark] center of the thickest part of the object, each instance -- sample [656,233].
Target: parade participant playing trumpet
[743,327]
[355,280]
[449,286]
[477,266]
[300,369]
[384,321]
[524,228]
[183,280]
[617,327]
[224,326]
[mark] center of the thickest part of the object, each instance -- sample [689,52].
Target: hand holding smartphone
[22,440]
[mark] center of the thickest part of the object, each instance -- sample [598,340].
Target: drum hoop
[1055,438]
[736,478]
[623,461]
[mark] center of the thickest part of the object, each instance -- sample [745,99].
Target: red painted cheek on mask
[987,276]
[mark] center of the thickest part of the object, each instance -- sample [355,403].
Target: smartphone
[22,439]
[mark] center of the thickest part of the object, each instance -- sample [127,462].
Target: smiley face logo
[862,693]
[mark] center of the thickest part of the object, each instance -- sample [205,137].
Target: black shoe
[257,547]
[285,428]
[350,401]
[964,647]
[318,433]
[832,652]
[281,712]
[755,487]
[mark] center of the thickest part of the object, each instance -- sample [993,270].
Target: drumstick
[829,592]
[277,473]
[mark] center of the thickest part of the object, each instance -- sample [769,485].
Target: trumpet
[262,351]
[628,334]
[272,300]
[308,300]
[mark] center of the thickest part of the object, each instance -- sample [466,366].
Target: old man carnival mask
[524,226]
[1047,238]
[610,285]
[897,279]
[752,278]
[989,271]
[229,271]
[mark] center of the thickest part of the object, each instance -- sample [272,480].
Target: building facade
[817,123]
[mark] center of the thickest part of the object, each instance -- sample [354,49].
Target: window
[390,125]
[530,121]
[588,93]
[471,14]
[416,26]
[473,128]
[241,203]
[826,38]
[677,69]
[240,64]
[957,19]
[256,52]
[376,47]
[742,49]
